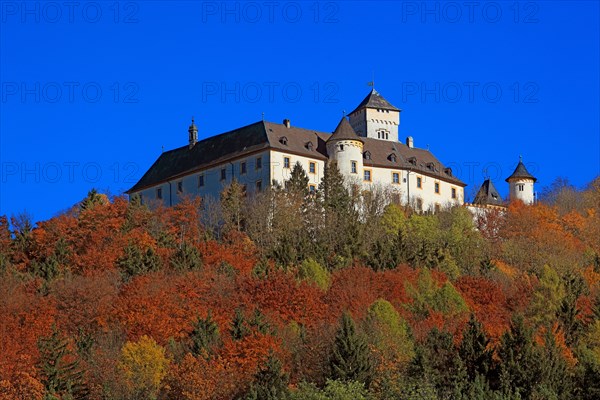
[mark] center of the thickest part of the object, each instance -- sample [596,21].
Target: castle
[365,146]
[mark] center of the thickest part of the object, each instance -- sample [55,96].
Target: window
[312,167]
[367,155]
[286,162]
[180,187]
[353,168]
[392,157]
[437,187]
[438,208]
[258,164]
[223,174]
[159,193]
[283,140]
[312,189]
[521,188]
[258,186]
[419,182]
[201,181]
[367,175]
[309,146]
[341,147]
[395,177]
[419,204]
[453,193]
[243,167]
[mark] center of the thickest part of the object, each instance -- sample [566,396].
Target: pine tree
[520,363]
[205,336]
[350,358]
[333,191]
[136,261]
[187,257]
[270,381]
[232,205]
[93,198]
[61,377]
[474,351]
[298,182]
[239,327]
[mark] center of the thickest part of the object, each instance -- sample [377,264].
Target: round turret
[520,184]
[346,148]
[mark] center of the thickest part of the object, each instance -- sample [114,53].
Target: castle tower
[376,118]
[346,147]
[520,184]
[192,134]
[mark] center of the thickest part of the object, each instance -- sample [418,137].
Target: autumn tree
[144,365]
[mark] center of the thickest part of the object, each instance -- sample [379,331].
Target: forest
[338,294]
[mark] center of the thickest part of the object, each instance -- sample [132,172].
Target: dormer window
[413,160]
[367,155]
[309,146]
[430,166]
[283,140]
[392,157]
[448,171]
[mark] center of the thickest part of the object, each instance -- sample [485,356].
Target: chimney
[286,122]
[409,141]
[192,134]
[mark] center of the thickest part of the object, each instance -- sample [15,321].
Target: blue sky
[92,90]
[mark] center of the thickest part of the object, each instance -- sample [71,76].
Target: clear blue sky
[91,91]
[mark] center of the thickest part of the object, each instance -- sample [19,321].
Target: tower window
[312,167]
[353,167]
[341,147]
[419,182]
[243,167]
[286,162]
[437,188]
[521,187]
[223,174]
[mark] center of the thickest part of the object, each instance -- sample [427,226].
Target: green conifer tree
[350,357]
[270,381]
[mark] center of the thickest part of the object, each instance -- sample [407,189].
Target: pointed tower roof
[375,100]
[488,195]
[521,172]
[344,132]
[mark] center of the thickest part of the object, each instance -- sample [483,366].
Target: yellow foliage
[144,365]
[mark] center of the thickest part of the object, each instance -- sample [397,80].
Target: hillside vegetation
[290,295]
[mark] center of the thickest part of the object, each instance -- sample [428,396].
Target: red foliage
[488,301]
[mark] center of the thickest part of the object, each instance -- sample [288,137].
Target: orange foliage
[284,299]
[25,317]
[489,303]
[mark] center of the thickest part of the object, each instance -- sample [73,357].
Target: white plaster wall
[281,174]
[526,196]
[213,185]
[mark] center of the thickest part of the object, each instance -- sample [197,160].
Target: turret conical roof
[521,172]
[344,132]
